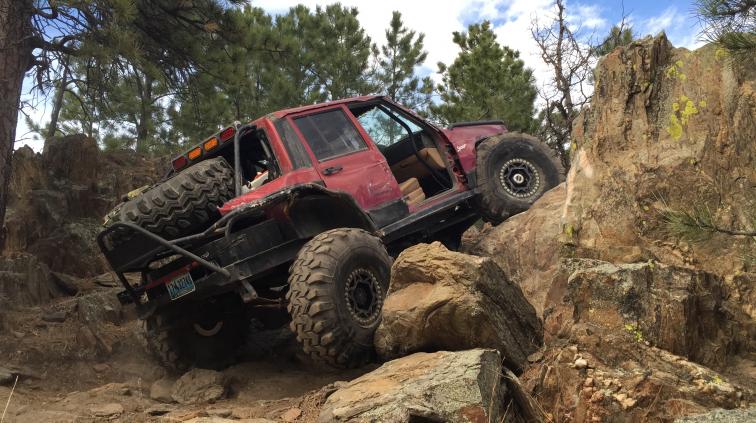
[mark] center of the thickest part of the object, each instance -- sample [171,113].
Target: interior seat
[411,167]
[412,192]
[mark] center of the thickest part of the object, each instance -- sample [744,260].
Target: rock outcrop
[58,199]
[639,323]
[444,300]
[436,387]
[25,281]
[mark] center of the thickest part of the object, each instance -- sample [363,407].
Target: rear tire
[336,289]
[182,205]
[210,337]
[513,171]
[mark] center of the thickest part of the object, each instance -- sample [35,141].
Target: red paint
[464,138]
[365,174]
[321,106]
[299,176]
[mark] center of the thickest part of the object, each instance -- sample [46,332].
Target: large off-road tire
[513,171]
[182,205]
[211,337]
[336,289]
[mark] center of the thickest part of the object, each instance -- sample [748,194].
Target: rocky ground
[598,310]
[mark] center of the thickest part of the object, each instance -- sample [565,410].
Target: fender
[465,138]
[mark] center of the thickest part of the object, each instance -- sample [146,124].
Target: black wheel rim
[364,296]
[519,178]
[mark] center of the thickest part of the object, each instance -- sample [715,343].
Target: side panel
[464,139]
[363,174]
[299,176]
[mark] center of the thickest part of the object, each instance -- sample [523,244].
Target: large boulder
[526,246]
[444,386]
[444,300]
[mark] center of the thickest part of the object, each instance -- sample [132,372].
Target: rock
[581,363]
[25,281]
[681,310]
[98,307]
[218,412]
[443,386]
[747,415]
[66,283]
[291,415]
[199,386]
[159,410]
[101,367]
[56,205]
[161,390]
[526,246]
[605,269]
[107,410]
[106,280]
[6,376]
[444,300]
[57,316]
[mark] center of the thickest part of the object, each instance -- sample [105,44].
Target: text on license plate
[180,286]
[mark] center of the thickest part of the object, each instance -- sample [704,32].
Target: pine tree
[35,35]
[732,25]
[396,63]
[486,81]
[618,36]
[325,54]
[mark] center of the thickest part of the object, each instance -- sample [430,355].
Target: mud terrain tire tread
[162,345]
[319,317]
[182,205]
[491,206]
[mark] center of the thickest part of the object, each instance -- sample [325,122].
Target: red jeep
[302,210]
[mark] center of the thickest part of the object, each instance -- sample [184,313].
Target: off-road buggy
[299,214]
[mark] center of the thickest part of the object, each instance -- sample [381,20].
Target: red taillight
[227,134]
[179,162]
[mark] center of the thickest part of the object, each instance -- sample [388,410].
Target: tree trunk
[144,91]
[58,103]
[15,58]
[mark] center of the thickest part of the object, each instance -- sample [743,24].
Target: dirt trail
[65,378]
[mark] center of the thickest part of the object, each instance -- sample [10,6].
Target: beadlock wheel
[520,178]
[513,171]
[364,296]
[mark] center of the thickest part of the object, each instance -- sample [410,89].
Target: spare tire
[513,171]
[182,205]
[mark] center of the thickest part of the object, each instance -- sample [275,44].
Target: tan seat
[411,166]
[412,191]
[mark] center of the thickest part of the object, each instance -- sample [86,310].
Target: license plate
[180,286]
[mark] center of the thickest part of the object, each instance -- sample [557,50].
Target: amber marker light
[195,153]
[210,144]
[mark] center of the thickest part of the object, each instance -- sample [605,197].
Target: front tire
[336,289]
[209,337]
[513,171]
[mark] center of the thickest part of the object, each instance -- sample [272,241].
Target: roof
[285,112]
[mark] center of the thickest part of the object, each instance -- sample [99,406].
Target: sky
[511,20]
